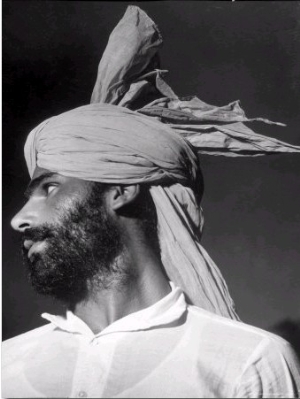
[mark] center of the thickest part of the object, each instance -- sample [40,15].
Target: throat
[104,306]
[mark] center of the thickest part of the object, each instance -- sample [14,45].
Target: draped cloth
[137,131]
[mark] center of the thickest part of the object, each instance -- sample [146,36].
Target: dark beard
[81,254]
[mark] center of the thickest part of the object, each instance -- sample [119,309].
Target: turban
[113,144]
[136,131]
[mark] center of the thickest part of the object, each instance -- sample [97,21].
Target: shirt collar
[167,310]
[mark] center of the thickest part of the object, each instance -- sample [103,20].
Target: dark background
[220,51]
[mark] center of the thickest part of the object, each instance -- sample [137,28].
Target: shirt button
[82,394]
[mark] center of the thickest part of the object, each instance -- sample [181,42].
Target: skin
[52,194]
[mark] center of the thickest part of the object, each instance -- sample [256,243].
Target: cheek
[53,208]
[62,203]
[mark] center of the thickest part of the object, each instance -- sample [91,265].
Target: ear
[123,195]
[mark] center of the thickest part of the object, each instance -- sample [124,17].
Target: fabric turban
[106,143]
[158,143]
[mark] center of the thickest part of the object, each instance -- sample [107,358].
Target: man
[129,331]
[112,228]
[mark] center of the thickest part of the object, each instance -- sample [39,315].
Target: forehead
[39,172]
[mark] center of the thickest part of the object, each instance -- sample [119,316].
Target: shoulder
[262,363]
[235,340]
[241,340]
[13,348]
[237,335]
[27,336]
[239,332]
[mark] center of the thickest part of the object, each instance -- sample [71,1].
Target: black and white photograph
[150,199]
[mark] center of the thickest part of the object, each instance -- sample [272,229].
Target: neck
[148,284]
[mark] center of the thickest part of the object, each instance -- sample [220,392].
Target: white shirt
[168,350]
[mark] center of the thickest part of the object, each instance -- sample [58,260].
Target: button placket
[93,366]
[82,376]
[94,342]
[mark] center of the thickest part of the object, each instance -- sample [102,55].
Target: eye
[49,187]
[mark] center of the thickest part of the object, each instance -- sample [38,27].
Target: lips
[33,247]
[28,244]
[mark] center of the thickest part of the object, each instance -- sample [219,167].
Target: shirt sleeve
[272,371]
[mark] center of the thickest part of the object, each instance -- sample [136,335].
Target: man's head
[91,168]
[73,233]
[114,146]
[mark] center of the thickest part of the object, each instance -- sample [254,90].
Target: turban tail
[137,130]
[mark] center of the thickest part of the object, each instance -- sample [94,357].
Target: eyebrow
[36,182]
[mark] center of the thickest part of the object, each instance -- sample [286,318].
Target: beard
[83,252]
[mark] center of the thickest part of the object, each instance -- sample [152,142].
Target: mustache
[38,233]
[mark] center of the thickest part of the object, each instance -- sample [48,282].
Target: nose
[24,219]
